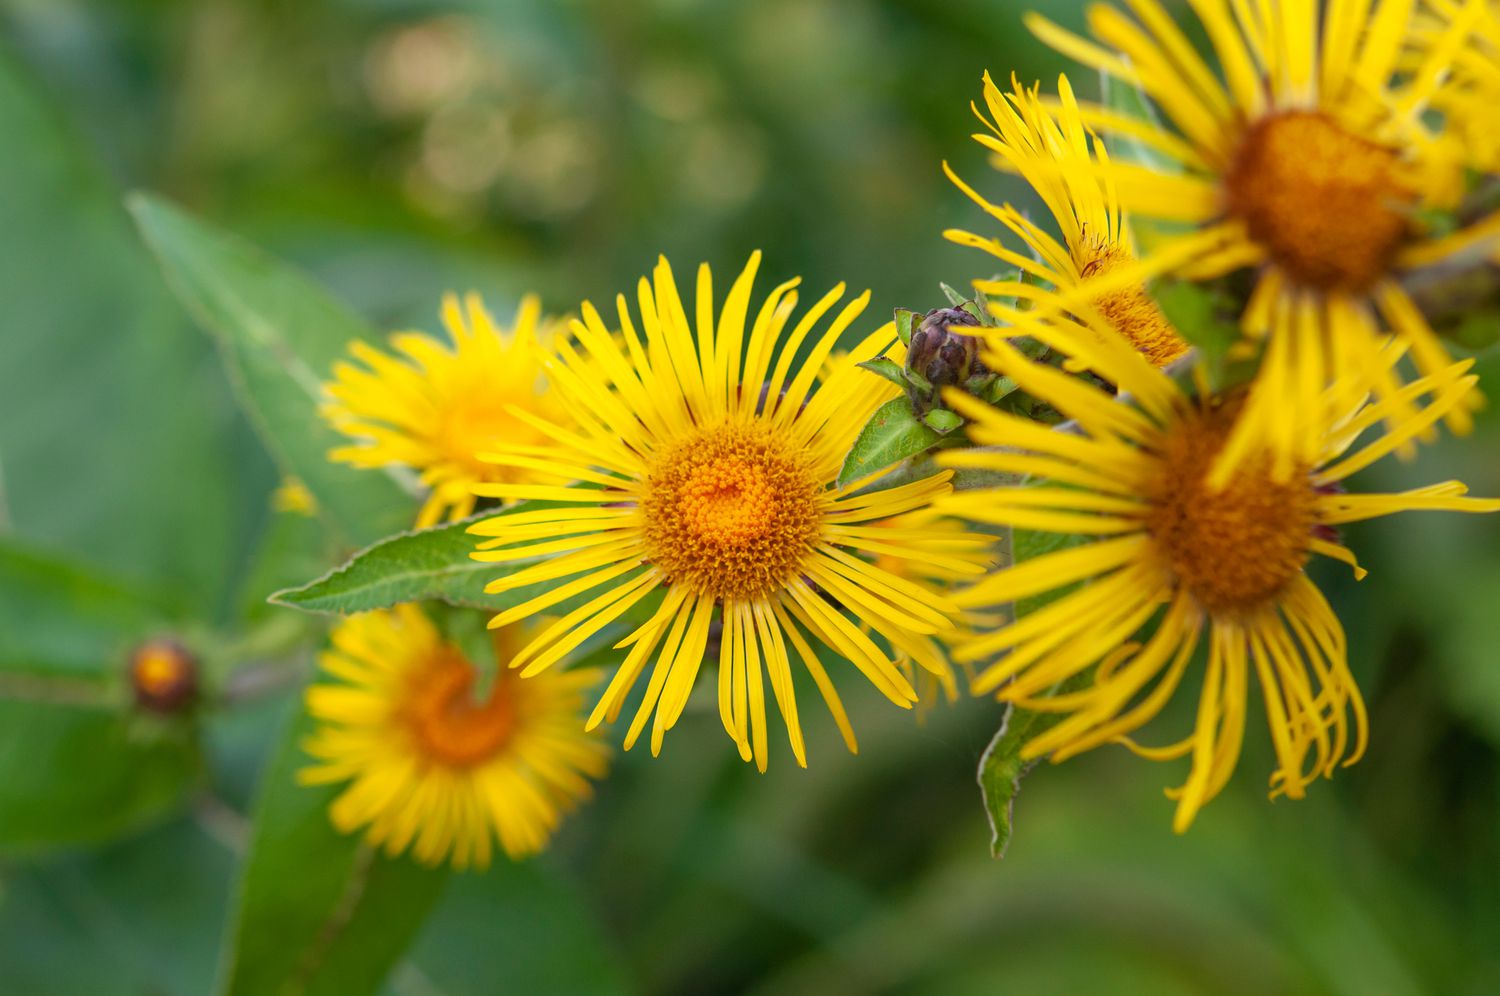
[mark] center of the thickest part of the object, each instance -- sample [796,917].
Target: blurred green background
[395,149]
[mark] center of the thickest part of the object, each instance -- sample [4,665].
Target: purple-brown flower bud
[163,677]
[941,356]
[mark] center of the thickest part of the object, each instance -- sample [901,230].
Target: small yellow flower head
[1051,150]
[292,496]
[709,459]
[430,766]
[434,408]
[1306,152]
[1178,561]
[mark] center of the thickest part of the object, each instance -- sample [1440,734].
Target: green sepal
[906,322]
[942,420]
[887,368]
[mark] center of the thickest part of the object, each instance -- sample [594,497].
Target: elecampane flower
[1303,153]
[430,767]
[432,408]
[1172,564]
[1053,153]
[709,459]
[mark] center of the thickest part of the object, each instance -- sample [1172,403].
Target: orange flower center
[449,726]
[1234,550]
[732,512]
[1131,311]
[1328,206]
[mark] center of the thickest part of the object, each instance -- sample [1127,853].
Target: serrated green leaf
[317,912]
[279,335]
[892,434]
[408,567]
[887,368]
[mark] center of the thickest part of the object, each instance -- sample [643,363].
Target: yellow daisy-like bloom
[1174,560]
[1054,155]
[433,408]
[431,767]
[1309,161]
[709,461]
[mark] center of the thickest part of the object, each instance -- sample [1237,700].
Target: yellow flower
[1470,100]
[1053,154]
[1310,161]
[710,463]
[922,657]
[292,496]
[432,408]
[1227,567]
[432,768]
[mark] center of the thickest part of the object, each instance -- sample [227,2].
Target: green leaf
[74,767]
[409,567]
[317,912]
[892,434]
[887,368]
[279,335]
[148,911]
[58,619]
[72,776]
[1002,766]
[1132,102]
[424,565]
[119,440]
[1201,315]
[519,928]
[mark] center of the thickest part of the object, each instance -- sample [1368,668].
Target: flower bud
[941,356]
[163,677]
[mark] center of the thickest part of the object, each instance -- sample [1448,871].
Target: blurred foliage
[398,148]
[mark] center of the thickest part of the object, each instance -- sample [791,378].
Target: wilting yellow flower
[1227,566]
[710,463]
[432,408]
[1311,161]
[1052,152]
[431,767]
